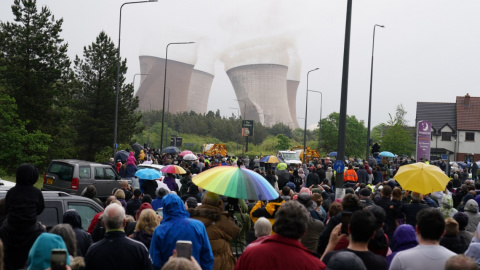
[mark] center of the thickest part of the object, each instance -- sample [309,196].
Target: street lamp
[320,127]
[118,72]
[134,79]
[370,99]
[165,86]
[244,118]
[305,129]
[238,115]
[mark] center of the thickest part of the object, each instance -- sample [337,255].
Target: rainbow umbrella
[185,152]
[270,159]
[173,169]
[235,182]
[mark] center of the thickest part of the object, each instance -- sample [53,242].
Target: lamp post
[244,149]
[168,114]
[238,115]
[305,129]
[370,99]
[320,127]
[118,72]
[134,80]
[165,86]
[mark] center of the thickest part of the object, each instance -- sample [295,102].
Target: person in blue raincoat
[177,225]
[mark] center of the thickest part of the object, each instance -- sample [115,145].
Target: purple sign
[424,131]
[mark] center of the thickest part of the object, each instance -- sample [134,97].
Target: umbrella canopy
[185,152]
[121,155]
[190,157]
[386,154]
[421,178]
[171,150]
[173,169]
[270,159]
[281,166]
[148,174]
[332,154]
[235,182]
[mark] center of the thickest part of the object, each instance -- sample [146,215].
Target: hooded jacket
[404,238]
[471,209]
[84,239]
[24,202]
[220,230]
[39,255]
[176,225]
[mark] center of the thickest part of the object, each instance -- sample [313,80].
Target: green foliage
[106,153]
[35,59]
[355,137]
[19,145]
[94,98]
[283,142]
[396,136]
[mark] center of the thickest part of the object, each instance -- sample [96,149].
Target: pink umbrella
[185,152]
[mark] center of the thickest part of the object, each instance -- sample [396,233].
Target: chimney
[466,101]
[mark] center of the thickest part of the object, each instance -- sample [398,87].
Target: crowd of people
[375,225]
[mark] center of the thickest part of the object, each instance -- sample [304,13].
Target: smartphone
[58,259]
[160,211]
[345,221]
[184,249]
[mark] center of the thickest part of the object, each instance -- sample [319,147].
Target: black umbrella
[121,155]
[171,150]
[136,148]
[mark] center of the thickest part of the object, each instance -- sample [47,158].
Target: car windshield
[290,156]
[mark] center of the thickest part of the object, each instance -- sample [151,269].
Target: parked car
[57,203]
[73,176]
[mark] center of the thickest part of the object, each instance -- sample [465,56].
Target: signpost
[247,131]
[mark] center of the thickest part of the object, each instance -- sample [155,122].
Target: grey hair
[262,227]
[68,236]
[113,216]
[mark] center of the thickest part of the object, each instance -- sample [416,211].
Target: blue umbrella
[386,154]
[121,156]
[462,164]
[332,154]
[148,174]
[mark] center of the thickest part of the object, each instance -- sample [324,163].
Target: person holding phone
[176,225]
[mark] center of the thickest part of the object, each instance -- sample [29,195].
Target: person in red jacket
[350,177]
[272,253]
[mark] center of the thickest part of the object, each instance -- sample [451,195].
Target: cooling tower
[200,84]
[292,87]
[150,93]
[263,87]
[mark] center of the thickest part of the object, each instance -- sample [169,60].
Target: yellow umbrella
[422,178]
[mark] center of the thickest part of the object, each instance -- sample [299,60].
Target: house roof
[437,113]
[468,115]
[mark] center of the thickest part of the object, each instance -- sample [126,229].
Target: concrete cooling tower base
[264,89]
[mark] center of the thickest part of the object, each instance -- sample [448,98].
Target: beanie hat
[142,207]
[27,175]
[191,202]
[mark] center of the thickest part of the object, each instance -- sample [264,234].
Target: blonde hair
[147,221]
[119,194]
[451,226]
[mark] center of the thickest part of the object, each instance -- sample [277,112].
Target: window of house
[446,136]
[469,136]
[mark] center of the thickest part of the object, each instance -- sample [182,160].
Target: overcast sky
[428,50]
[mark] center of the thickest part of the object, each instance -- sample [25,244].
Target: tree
[35,59]
[283,142]
[94,98]
[355,137]
[19,145]
[396,136]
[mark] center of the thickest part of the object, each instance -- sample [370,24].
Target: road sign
[247,128]
[339,166]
